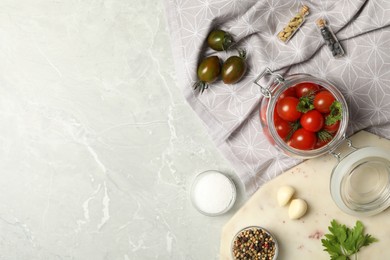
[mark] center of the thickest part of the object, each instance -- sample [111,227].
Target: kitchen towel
[230,112]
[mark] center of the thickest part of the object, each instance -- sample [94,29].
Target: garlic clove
[297,209]
[284,195]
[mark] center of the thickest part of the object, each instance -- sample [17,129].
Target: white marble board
[301,239]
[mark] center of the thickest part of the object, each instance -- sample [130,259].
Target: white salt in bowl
[213,193]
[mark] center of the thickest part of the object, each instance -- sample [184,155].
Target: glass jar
[272,94]
[360,181]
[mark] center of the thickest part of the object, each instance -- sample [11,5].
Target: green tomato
[209,69]
[219,40]
[233,69]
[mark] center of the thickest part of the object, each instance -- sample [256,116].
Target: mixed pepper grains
[254,243]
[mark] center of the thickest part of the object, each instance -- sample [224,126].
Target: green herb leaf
[335,113]
[305,104]
[357,237]
[368,239]
[343,242]
[332,247]
[339,231]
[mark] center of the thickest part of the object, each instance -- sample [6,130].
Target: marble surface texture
[97,144]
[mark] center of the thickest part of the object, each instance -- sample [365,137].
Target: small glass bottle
[330,39]
[293,25]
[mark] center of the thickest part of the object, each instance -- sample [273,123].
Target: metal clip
[265,91]
[350,145]
[336,155]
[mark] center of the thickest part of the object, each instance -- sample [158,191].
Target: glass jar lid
[360,182]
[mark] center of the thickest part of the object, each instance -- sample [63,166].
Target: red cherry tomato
[303,139]
[289,92]
[321,143]
[312,121]
[287,109]
[276,115]
[323,100]
[332,128]
[306,88]
[283,128]
[263,114]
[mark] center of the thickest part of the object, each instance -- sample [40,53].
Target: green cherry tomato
[209,69]
[233,69]
[219,40]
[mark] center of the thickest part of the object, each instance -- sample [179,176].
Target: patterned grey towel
[230,112]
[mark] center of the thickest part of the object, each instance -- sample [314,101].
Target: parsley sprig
[335,114]
[343,242]
[305,103]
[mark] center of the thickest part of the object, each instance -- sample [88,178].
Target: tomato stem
[227,41]
[294,127]
[200,86]
[305,104]
[242,53]
[324,135]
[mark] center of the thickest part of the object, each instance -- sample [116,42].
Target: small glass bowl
[260,229]
[213,195]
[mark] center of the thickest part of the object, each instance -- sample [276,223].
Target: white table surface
[97,145]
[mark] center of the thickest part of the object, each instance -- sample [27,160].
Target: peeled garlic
[297,209]
[284,195]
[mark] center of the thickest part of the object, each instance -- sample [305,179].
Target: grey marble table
[97,145]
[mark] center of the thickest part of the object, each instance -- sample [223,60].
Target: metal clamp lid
[338,155]
[277,79]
